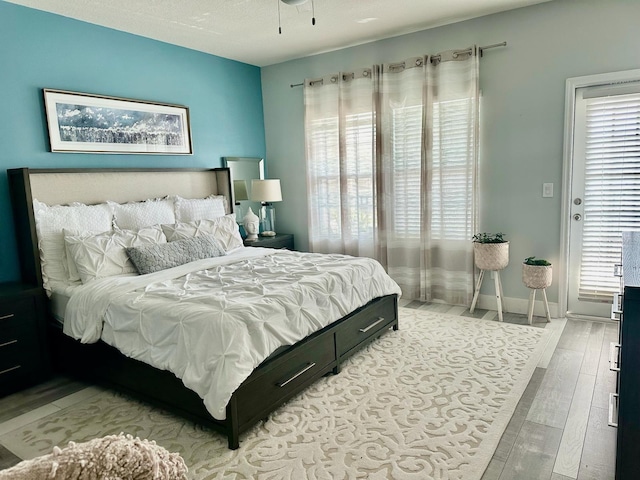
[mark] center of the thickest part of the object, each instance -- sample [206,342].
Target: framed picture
[82,122]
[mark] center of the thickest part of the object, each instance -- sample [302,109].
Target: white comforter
[212,322]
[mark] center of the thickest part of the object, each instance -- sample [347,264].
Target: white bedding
[212,322]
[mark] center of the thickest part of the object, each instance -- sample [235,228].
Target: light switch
[547,190]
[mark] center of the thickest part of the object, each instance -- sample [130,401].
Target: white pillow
[104,254]
[224,229]
[137,215]
[192,209]
[50,222]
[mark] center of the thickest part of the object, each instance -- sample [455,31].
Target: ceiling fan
[295,3]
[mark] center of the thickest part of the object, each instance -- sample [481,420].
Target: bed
[280,369]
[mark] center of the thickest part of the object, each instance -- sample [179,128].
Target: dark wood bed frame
[283,375]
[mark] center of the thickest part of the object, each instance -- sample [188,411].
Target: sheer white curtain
[424,153]
[340,136]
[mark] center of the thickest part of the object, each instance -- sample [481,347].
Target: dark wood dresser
[626,359]
[24,358]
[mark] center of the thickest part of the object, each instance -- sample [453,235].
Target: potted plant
[490,251]
[536,272]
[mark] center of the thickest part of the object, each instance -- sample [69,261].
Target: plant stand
[537,277]
[532,301]
[499,294]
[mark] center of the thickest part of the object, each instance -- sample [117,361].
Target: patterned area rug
[428,401]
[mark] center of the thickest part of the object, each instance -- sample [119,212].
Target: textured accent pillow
[192,209]
[152,258]
[104,255]
[137,215]
[50,222]
[224,229]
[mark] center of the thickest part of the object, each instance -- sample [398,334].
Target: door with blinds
[605,192]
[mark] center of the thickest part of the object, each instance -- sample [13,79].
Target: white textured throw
[114,457]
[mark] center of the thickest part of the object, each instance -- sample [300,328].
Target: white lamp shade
[240,190]
[266,190]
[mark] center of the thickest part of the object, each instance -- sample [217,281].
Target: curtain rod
[468,50]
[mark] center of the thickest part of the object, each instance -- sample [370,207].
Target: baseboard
[517,305]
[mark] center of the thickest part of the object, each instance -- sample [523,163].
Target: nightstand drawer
[19,353]
[17,318]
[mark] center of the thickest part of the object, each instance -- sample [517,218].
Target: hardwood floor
[558,431]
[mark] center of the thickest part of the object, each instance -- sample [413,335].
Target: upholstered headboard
[91,186]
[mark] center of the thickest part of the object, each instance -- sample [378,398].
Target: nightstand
[24,358]
[281,240]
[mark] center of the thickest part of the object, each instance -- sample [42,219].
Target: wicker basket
[491,256]
[536,276]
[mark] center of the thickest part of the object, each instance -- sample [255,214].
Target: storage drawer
[364,324]
[17,318]
[281,379]
[21,352]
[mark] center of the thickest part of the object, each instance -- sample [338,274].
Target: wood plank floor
[558,431]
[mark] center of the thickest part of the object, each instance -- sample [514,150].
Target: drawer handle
[305,369]
[10,369]
[8,343]
[617,303]
[617,270]
[4,317]
[366,329]
[614,350]
[613,403]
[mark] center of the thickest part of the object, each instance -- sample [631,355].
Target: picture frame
[89,123]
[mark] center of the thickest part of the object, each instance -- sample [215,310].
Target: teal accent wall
[42,50]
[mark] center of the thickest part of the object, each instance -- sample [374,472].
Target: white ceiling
[247,30]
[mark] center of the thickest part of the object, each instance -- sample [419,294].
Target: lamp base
[252,237]
[268,233]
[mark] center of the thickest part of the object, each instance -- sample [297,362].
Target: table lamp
[266,192]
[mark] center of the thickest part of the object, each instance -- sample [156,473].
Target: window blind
[612,190]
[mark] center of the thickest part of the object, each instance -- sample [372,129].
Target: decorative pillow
[104,255]
[152,258]
[137,215]
[192,209]
[50,222]
[225,229]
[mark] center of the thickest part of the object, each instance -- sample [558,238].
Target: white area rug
[428,401]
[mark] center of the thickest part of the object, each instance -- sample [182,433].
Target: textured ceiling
[247,30]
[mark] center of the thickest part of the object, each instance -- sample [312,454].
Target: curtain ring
[334,79]
[365,73]
[418,62]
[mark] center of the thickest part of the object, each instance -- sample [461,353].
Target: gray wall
[522,111]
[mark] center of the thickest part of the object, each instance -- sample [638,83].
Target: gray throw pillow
[152,258]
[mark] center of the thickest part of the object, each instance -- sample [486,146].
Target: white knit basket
[536,276]
[491,256]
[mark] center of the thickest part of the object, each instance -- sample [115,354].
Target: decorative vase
[491,256]
[251,224]
[537,276]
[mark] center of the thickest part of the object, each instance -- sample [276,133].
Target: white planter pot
[537,276]
[491,256]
